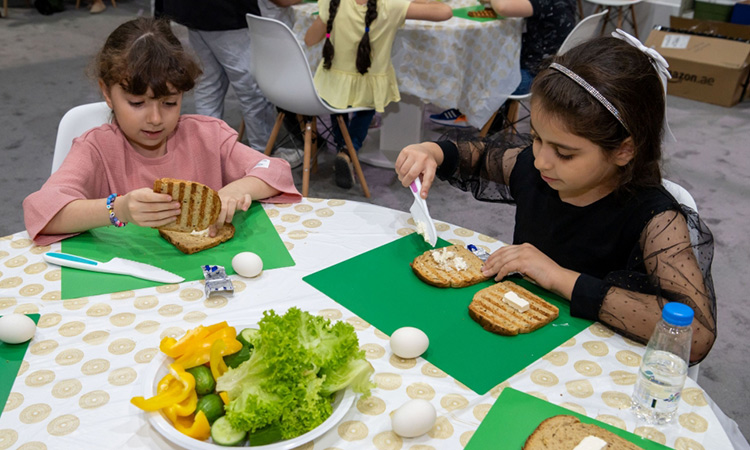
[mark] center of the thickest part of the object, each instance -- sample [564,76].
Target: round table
[88,356]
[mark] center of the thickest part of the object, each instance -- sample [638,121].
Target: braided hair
[364,52]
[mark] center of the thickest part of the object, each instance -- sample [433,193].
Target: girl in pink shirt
[143,72]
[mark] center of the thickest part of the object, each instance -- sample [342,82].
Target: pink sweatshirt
[102,162]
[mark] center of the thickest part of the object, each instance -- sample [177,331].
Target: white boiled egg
[414,418]
[16,328]
[409,342]
[247,264]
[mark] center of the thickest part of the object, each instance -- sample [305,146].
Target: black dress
[635,251]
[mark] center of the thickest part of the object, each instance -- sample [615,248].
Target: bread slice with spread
[194,242]
[509,309]
[200,205]
[566,432]
[453,266]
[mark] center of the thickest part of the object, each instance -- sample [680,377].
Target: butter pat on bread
[591,443]
[516,302]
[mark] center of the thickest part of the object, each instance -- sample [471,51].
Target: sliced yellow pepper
[174,348]
[201,351]
[224,397]
[218,366]
[198,428]
[174,392]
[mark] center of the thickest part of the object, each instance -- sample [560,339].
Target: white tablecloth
[460,63]
[88,356]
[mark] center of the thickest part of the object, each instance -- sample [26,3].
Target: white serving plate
[159,367]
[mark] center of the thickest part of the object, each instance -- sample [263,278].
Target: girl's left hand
[231,201]
[533,264]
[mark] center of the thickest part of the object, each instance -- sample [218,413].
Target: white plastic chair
[74,123]
[283,75]
[684,198]
[623,8]
[585,29]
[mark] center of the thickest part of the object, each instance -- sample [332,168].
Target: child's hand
[419,159]
[146,208]
[533,264]
[232,199]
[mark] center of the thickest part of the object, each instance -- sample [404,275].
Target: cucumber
[235,359]
[266,435]
[212,406]
[248,337]
[222,433]
[204,381]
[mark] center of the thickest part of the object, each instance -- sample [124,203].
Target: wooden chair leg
[241,132]
[580,9]
[274,133]
[620,15]
[353,155]
[635,24]
[315,145]
[606,19]
[486,128]
[306,159]
[114,4]
[78,3]
[5,8]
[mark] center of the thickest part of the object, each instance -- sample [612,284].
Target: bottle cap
[678,314]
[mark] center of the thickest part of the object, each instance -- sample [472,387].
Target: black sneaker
[343,171]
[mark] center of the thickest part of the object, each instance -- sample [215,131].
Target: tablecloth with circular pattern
[87,357]
[459,63]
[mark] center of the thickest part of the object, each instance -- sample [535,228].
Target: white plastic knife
[115,265]
[421,215]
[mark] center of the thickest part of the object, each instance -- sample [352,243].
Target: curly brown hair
[144,53]
[626,78]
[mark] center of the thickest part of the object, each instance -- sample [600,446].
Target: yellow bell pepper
[224,397]
[174,348]
[174,392]
[218,366]
[196,428]
[200,352]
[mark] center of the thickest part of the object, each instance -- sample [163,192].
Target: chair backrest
[281,69]
[680,194]
[586,29]
[74,123]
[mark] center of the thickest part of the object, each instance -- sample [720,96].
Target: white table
[89,355]
[460,63]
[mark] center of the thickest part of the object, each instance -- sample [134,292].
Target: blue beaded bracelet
[110,207]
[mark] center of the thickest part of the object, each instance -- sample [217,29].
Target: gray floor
[42,75]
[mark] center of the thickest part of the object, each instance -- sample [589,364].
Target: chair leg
[486,128]
[306,159]
[580,9]
[274,133]
[241,132]
[619,17]
[78,3]
[5,8]
[315,145]
[114,4]
[606,19]
[353,155]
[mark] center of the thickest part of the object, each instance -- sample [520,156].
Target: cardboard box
[708,69]
[711,27]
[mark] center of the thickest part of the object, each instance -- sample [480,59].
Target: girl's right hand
[146,208]
[419,160]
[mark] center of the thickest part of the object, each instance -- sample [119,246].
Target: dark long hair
[624,76]
[144,53]
[364,51]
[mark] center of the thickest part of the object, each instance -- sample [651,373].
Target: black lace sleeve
[672,263]
[482,166]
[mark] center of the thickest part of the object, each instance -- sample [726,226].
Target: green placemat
[254,233]
[380,287]
[515,415]
[464,13]
[11,357]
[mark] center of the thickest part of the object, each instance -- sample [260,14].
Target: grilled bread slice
[565,432]
[200,204]
[189,243]
[493,314]
[453,266]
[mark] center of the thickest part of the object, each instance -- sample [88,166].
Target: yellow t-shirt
[342,86]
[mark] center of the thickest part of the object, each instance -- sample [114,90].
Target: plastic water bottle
[664,366]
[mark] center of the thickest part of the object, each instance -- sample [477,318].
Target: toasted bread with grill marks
[429,270]
[189,243]
[200,205]
[493,314]
[565,432]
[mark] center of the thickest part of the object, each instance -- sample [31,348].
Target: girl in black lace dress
[593,222]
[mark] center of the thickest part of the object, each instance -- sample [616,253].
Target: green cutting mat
[254,233]
[515,415]
[464,13]
[11,357]
[380,287]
